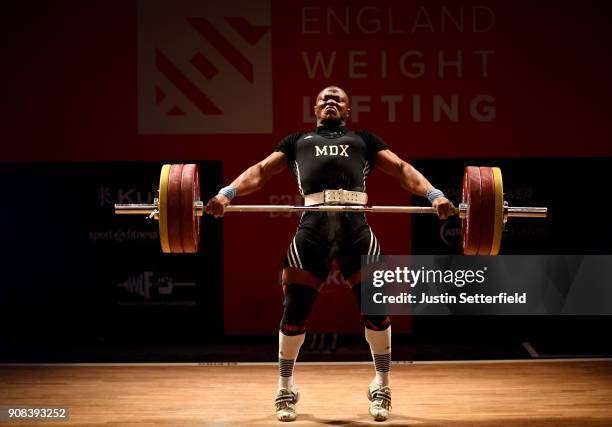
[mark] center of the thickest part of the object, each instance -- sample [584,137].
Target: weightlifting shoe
[380,398]
[285,404]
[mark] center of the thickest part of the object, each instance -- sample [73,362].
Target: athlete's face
[332,104]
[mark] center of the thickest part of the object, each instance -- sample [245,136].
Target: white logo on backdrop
[204,67]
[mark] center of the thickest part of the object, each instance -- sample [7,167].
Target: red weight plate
[174,208]
[487,197]
[190,222]
[470,226]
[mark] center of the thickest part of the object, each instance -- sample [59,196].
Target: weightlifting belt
[336,197]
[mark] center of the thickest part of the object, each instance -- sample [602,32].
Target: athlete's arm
[411,179]
[249,181]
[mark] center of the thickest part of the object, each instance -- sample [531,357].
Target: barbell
[482,210]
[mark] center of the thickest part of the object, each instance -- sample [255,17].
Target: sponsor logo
[331,150]
[334,278]
[285,199]
[149,289]
[107,197]
[122,235]
[204,67]
[518,194]
[450,233]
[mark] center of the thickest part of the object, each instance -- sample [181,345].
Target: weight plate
[470,225]
[487,198]
[174,208]
[498,224]
[162,204]
[190,222]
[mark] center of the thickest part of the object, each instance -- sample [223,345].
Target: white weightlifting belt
[336,196]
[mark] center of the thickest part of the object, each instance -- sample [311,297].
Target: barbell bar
[198,207]
[482,210]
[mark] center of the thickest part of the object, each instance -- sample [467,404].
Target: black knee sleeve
[299,300]
[374,322]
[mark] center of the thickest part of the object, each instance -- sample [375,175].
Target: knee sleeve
[373,322]
[299,300]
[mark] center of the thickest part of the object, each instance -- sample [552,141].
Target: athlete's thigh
[309,252]
[361,243]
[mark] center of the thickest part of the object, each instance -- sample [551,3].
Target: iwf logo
[204,67]
[148,286]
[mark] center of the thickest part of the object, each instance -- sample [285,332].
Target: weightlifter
[329,158]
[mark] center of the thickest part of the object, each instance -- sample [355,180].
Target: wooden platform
[457,394]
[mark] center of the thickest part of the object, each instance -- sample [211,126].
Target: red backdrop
[125,81]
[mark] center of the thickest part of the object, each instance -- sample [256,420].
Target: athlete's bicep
[273,164]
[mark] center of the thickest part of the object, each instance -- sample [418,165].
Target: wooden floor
[468,394]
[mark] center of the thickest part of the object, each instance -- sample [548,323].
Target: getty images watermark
[405,276]
[496,285]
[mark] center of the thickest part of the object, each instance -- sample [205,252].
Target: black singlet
[325,159]
[331,158]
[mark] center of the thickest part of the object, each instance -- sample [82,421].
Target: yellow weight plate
[163,208]
[498,225]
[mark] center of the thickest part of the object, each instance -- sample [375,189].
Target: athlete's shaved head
[332,106]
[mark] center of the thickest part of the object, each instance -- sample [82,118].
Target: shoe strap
[289,397]
[382,394]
